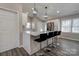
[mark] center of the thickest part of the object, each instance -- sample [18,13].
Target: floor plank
[66,48]
[18,52]
[24,52]
[3,54]
[14,53]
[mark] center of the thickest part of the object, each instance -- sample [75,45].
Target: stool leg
[52,41]
[55,41]
[47,42]
[40,46]
[40,53]
[47,49]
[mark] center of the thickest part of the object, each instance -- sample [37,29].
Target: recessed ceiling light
[58,11]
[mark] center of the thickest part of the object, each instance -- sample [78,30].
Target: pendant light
[34,10]
[46,15]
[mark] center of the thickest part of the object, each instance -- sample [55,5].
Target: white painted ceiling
[12,6]
[64,8]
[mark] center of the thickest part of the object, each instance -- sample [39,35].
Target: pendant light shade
[34,11]
[46,16]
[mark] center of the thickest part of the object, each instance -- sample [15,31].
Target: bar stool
[59,33]
[51,35]
[40,40]
[56,34]
[55,38]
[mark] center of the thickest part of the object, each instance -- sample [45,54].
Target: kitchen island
[32,46]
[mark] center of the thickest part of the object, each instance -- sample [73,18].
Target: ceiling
[64,9]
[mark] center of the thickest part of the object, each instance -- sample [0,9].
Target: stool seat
[43,37]
[37,40]
[55,33]
[51,34]
[59,32]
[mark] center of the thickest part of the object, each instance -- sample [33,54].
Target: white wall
[11,6]
[71,36]
[9,34]
[14,8]
[39,25]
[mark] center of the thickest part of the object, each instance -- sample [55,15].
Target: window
[66,25]
[75,25]
[70,25]
[56,24]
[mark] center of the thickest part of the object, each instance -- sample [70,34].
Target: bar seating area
[46,36]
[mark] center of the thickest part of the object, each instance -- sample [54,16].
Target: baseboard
[20,46]
[7,49]
[69,38]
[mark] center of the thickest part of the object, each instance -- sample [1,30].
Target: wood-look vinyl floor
[15,52]
[65,48]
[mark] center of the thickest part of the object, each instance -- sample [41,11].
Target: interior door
[9,34]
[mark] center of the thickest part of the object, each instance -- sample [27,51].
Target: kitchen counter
[37,33]
[32,46]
